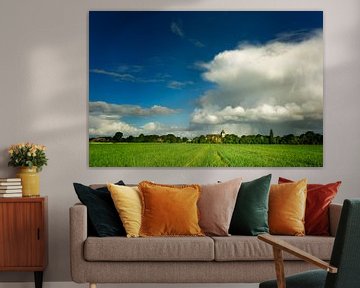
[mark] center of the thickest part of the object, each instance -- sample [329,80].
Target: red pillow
[319,197]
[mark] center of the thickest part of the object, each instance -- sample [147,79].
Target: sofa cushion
[287,204]
[244,248]
[149,249]
[216,206]
[250,215]
[169,210]
[318,199]
[102,216]
[127,201]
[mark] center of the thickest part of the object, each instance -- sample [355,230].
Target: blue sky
[191,73]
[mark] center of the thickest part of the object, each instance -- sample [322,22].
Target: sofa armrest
[78,235]
[334,217]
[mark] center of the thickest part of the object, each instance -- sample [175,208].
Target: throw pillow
[287,204]
[169,210]
[216,206]
[127,201]
[319,197]
[250,215]
[102,215]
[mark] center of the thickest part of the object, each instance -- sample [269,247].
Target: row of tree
[309,138]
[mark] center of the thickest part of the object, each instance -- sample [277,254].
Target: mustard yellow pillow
[169,210]
[287,204]
[127,201]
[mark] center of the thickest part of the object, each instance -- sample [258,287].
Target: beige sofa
[234,259]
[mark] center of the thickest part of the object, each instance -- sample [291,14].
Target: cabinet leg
[38,279]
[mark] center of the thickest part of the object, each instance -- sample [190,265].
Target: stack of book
[10,187]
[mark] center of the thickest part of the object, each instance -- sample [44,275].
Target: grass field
[203,155]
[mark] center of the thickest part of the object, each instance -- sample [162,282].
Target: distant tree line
[308,138]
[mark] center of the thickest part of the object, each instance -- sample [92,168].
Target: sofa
[233,259]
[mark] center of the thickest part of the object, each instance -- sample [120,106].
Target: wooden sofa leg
[92,285]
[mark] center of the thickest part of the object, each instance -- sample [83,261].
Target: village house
[216,138]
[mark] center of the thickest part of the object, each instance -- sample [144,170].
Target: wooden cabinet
[23,235]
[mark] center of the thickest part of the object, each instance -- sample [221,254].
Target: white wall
[44,96]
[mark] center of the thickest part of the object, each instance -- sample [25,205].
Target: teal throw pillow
[250,216]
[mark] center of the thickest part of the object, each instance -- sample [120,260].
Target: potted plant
[30,158]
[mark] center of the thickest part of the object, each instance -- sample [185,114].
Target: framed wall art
[206,89]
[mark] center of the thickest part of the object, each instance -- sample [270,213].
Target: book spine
[10,183]
[10,179]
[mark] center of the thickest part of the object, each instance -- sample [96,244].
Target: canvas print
[205,89]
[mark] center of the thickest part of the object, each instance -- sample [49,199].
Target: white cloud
[127,77]
[103,126]
[158,128]
[265,112]
[151,126]
[271,83]
[109,109]
[105,119]
[130,68]
[197,43]
[164,129]
[120,76]
[176,29]
[179,85]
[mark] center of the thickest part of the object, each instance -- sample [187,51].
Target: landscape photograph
[205,89]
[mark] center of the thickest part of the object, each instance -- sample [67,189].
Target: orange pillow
[287,204]
[318,200]
[169,210]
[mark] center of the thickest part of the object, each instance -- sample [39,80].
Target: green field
[203,155]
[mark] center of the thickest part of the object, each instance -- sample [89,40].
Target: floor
[74,285]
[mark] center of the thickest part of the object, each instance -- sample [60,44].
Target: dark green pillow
[250,216]
[102,215]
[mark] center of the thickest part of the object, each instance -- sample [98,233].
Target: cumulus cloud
[105,119]
[159,128]
[264,112]
[164,129]
[275,83]
[105,126]
[151,126]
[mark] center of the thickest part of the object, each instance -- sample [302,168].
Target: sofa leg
[92,285]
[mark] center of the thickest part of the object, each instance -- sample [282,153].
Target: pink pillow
[216,206]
